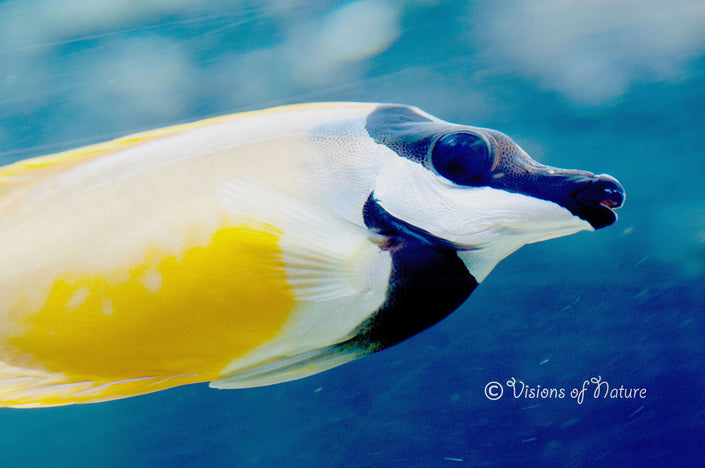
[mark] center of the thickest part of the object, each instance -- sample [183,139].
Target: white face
[486,224]
[478,190]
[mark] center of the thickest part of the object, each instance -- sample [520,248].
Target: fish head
[476,190]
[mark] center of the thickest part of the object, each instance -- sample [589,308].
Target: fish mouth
[598,199]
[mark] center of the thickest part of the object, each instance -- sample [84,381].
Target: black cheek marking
[428,281]
[403,130]
[380,221]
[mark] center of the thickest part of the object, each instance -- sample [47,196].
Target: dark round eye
[462,158]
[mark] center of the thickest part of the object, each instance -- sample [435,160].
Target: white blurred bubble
[31,24]
[358,30]
[149,78]
[317,52]
[593,51]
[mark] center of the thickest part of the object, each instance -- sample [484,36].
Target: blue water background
[614,87]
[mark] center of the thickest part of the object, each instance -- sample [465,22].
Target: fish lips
[597,200]
[590,197]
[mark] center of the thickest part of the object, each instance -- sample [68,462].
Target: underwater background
[612,87]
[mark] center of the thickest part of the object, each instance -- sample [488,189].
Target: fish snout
[597,200]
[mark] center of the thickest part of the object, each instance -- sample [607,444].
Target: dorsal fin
[29,171]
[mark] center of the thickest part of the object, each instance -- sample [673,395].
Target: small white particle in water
[453,459]
[78,297]
[543,362]
[636,411]
[687,322]
[641,293]
[528,440]
[318,390]
[107,307]
[152,280]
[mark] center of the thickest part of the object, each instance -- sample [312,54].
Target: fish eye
[463,158]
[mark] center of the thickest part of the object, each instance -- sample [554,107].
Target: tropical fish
[262,247]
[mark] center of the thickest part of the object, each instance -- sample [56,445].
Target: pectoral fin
[326,256]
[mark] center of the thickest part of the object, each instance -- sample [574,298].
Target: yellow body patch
[173,319]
